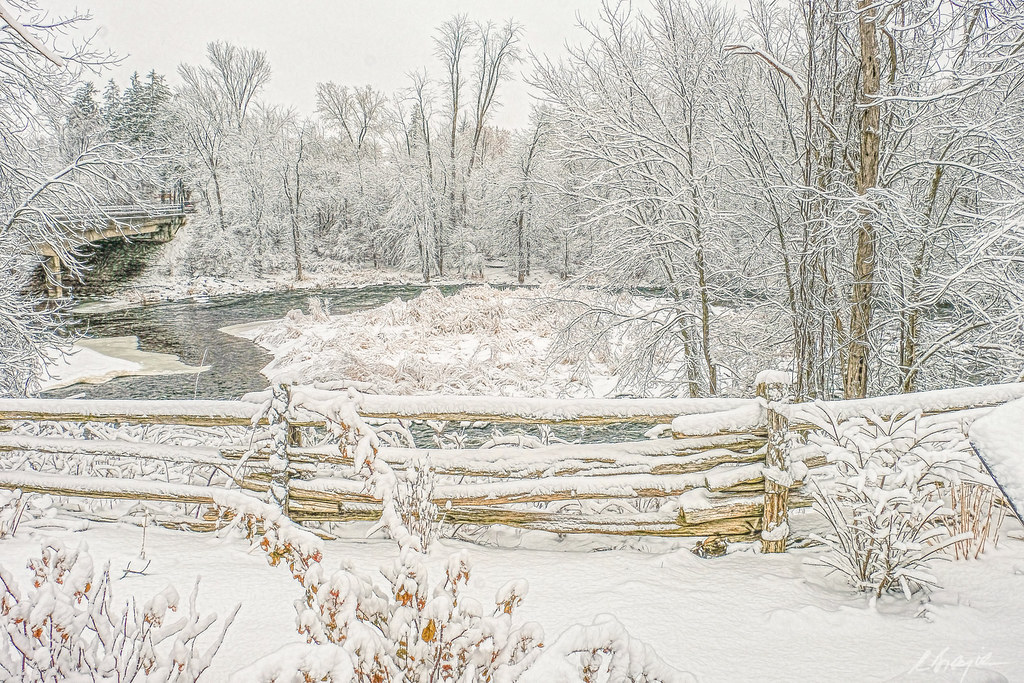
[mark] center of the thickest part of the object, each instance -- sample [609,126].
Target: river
[190,329]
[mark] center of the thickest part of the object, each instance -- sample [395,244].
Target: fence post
[282,433]
[773,387]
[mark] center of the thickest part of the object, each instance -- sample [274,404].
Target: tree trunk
[857,359]
[294,205]
[220,204]
[296,247]
[705,322]
[910,329]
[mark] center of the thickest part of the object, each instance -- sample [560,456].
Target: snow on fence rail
[446,408]
[191,413]
[727,470]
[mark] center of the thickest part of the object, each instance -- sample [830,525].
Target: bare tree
[39,188]
[855,384]
[417,199]
[527,166]
[254,163]
[292,174]
[355,112]
[357,115]
[454,36]
[635,113]
[497,52]
[238,73]
[214,103]
[888,132]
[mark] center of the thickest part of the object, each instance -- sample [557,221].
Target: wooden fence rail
[727,469]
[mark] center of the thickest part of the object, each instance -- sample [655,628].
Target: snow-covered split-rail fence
[729,467]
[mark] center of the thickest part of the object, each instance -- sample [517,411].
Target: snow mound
[998,439]
[480,341]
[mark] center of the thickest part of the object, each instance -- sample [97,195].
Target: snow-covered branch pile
[479,341]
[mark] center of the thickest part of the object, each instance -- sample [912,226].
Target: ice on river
[94,361]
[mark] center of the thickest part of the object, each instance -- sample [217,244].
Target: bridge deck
[149,222]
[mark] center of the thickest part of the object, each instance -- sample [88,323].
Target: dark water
[190,330]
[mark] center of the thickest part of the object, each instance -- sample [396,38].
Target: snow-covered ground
[742,617]
[94,361]
[478,341]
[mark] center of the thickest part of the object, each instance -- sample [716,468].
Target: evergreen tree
[143,111]
[83,123]
[134,113]
[111,108]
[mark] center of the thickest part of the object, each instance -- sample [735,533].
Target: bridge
[148,222]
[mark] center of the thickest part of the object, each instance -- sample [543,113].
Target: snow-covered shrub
[602,652]
[977,513]
[477,341]
[888,504]
[66,625]
[12,508]
[319,309]
[402,628]
[209,250]
[415,503]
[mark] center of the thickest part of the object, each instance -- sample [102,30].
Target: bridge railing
[718,467]
[117,212]
[123,212]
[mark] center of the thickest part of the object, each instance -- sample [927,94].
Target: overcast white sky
[351,42]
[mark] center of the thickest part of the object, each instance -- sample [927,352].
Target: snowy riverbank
[157,285]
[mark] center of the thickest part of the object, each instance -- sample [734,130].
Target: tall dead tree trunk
[454,36]
[220,203]
[855,384]
[294,205]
